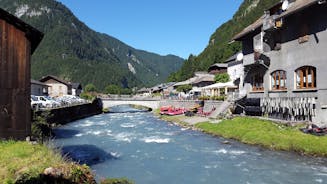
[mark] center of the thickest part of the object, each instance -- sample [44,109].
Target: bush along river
[139,146]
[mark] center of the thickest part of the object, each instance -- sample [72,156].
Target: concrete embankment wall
[68,114]
[208,104]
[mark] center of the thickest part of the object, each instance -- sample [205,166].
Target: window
[257,82]
[305,77]
[278,80]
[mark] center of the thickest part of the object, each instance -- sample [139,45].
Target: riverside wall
[66,115]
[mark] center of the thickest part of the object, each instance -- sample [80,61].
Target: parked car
[75,98]
[35,103]
[53,101]
[45,102]
[71,100]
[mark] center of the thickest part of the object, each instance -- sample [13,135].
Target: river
[145,149]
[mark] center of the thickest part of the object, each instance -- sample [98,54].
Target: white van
[35,103]
[45,102]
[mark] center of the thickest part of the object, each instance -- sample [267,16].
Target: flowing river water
[145,149]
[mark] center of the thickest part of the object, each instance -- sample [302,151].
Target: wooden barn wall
[15,120]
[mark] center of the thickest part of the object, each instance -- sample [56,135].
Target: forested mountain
[219,47]
[72,51]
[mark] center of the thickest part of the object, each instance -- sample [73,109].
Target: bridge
[150,103]
[156,103]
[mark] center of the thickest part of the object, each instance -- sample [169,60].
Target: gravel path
[198,119]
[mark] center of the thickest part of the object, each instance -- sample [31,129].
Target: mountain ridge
[219,46]
[74,52]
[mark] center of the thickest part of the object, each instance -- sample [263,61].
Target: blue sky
[179,27]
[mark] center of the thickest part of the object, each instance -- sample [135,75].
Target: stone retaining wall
[68,114]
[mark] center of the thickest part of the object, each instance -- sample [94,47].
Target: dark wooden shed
[18,41]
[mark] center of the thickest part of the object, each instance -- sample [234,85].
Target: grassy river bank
[259,132]
[23,162]
[26,163]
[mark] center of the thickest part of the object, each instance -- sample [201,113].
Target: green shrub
[41,129]
[90,88]
[220,98]
[204,98]
[222,77]
[87,96]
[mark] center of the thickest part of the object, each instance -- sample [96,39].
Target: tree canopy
[90,88]
[222,77]
[115,89]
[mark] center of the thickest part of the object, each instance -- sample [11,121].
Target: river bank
[26,162]
[254,131]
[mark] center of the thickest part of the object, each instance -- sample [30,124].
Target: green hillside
[72,51]
[219,47]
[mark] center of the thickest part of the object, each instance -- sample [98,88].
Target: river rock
[54,172]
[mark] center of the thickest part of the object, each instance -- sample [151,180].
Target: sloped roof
[48,77]
[207,78]
[186,82]
[199,77]
[162,86]
[37,82]
[293,8]
[219,65]
[34,35]
[142,90]
[255,25]
[229,84]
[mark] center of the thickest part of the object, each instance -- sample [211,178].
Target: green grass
[18,158]
[177,119]
[268,134]
[22,161]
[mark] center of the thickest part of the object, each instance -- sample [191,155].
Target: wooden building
[218,68]
[18,41]
[39,88]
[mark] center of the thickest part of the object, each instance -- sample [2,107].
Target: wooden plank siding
[15,120]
